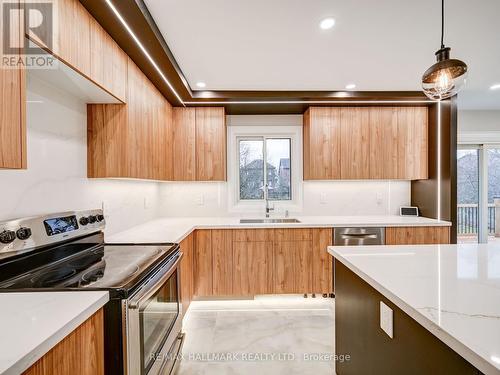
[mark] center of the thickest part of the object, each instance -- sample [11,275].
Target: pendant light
[447,77]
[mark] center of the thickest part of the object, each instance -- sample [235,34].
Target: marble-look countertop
[451,290]
[33,323]
[175,229]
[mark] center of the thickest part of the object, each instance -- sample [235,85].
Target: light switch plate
[322,198]
[386,316]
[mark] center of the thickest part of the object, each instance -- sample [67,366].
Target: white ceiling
[382,45]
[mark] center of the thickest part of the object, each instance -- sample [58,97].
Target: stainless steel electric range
[66,251]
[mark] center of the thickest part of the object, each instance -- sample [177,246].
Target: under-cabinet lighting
[143,49]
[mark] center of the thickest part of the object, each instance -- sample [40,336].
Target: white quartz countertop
[176,229]
[451,290]
[33,323]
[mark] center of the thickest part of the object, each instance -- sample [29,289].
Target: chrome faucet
[266,197]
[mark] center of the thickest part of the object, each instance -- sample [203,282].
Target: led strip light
[184,103]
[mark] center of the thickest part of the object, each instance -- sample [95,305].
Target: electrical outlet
[323,199]
[147,203]
[379,198]
[386,319]
[200,200]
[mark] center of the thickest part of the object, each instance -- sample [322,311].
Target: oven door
[153,323]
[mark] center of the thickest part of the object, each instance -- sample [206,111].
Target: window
[264,162]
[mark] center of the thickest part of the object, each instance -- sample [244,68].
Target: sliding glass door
[468,194]
[478,201]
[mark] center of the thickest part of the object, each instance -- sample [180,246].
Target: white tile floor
[267,335]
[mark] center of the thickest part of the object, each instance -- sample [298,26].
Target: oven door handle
[153,285]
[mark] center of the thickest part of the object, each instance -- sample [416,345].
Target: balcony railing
[468,219]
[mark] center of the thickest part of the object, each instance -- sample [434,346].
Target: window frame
[248,127]
[264,139]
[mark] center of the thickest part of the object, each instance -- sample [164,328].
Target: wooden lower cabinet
[246,262]
[81,352]
[322,261]
[253,268]
[222,262]
[417,235]
[186,269]
[292,267]
[202,263]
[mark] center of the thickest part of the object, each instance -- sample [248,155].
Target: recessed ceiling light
[496,86]
[350,86]
[201,85]
[327,23]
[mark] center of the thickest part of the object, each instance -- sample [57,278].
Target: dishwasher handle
[358,236]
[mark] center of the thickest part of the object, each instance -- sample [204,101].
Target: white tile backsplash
[56,178]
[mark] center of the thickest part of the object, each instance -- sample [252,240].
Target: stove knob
[7,236]
[100,217]
[92,219]
[83,221]
[23,233]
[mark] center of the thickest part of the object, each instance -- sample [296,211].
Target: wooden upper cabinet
[413,143]
[374,143]
[199,144]
[71,41]
[383,143]
[210,144]
[184,143]
[108,63]
[131,140]
[321,132]
[355,143]
[12,110]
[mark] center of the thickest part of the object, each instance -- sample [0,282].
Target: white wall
[318,198]
[478,126]
[57,167]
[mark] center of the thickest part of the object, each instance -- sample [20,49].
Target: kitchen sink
[268,221]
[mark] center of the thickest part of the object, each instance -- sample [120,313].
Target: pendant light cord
[442,24]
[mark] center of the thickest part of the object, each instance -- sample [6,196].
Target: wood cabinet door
[12,109]
[292,267]
[184,146]
[81,352]
[139,125]
[383,143]
[72,37]
[210,144]
[186,269]
[412,143]
[321,139]
[203,263]
[108,63]
[253,268]
[106,140]
[322,261]
[417,235]
[222,262]
[355,143]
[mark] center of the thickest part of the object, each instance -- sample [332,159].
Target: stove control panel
[22,235]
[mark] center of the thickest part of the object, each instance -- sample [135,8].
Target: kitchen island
[446,309]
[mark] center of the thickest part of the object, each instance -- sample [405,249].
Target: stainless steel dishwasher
[358,236]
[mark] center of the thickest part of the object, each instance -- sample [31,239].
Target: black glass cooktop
[85,265]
